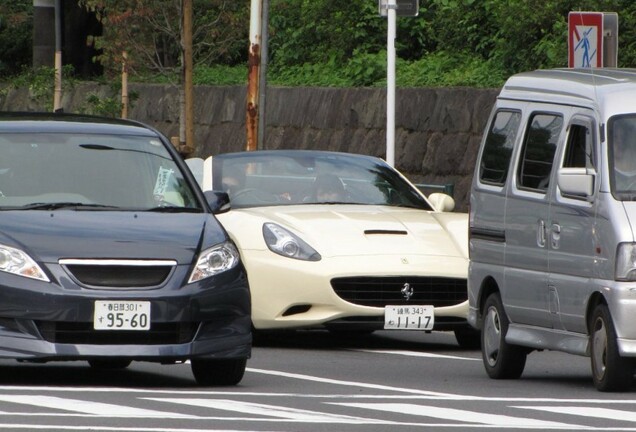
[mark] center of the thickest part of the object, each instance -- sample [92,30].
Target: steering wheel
[252,195]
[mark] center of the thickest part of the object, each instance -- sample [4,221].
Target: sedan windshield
[89,172]
[254,179]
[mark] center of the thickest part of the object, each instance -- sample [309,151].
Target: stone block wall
[436,138]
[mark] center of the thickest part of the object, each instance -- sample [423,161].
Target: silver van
[553,223]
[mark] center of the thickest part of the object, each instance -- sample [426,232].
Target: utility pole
[189,145]
[57,95]
[262,98]
[253,64]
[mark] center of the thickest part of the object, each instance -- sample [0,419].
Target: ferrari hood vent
[384,231]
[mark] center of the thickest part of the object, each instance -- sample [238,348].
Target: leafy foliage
[16,35]
[332,42]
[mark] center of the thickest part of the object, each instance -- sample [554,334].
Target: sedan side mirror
[442,202]
[218,201]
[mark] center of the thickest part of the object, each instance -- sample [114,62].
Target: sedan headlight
[285,243]
[16,262]
[214,261]
[626,262]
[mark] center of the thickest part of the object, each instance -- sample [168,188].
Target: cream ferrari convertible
[343,242]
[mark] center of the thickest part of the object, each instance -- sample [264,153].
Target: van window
[538,151]
[498,147]
[579,150]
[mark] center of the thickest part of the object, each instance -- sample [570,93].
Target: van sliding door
[527,221]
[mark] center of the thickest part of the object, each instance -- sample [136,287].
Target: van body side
[552,255]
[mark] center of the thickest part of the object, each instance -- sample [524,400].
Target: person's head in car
[329,188]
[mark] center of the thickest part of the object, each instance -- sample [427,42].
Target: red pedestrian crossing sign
[585,39]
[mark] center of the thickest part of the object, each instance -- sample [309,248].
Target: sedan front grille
[119,273]
[382,291]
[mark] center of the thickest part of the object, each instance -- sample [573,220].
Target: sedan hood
[345,230]
[49,236]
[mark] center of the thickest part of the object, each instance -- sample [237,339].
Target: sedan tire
[218,372]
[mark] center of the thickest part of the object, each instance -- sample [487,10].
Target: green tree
[16,36]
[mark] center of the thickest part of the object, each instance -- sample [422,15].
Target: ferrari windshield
[50,171]
[266,178]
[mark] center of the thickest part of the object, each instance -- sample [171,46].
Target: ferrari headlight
[285,243]
[626,262]
[214,261]
[19,263]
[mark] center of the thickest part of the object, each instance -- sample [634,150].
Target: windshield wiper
[174,209]
[66,205]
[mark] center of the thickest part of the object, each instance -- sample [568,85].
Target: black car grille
[382,291]
[129,274]
[83,333]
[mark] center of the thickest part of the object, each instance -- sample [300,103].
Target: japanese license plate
[121,315]
[409,317]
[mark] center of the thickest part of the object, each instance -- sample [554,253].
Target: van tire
[501,360]
[610,371]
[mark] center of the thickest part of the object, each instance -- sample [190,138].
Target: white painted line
[417,354]
[607,413]
[270,410]
[458,415]
[32,427]
[94,408]
[351,383]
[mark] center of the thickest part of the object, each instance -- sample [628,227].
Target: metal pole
[263,75]
[57,95]
[390,81]
[124,85]
[187,75]
[253,64]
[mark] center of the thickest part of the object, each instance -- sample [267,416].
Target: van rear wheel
[501,360]
[610,371]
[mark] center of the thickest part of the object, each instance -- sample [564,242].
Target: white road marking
[595,412]
[288,413]
[351,383]
[32,427]
[97,409]
[463,416]
[417,354]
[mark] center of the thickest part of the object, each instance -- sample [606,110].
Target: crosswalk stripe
[87,407]
[456,414]
[607,413]
[268,410]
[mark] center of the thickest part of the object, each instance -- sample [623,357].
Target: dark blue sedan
[110,252]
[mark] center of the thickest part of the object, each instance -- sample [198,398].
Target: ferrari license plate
[409,317]
[121,315]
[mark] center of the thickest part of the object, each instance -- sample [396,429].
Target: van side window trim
[537,156]
[498,147]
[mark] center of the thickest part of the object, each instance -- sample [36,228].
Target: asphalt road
[315,381]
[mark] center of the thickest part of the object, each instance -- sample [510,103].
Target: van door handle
[555,236]
[541,233]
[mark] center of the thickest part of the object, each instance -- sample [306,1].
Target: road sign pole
[390,81]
